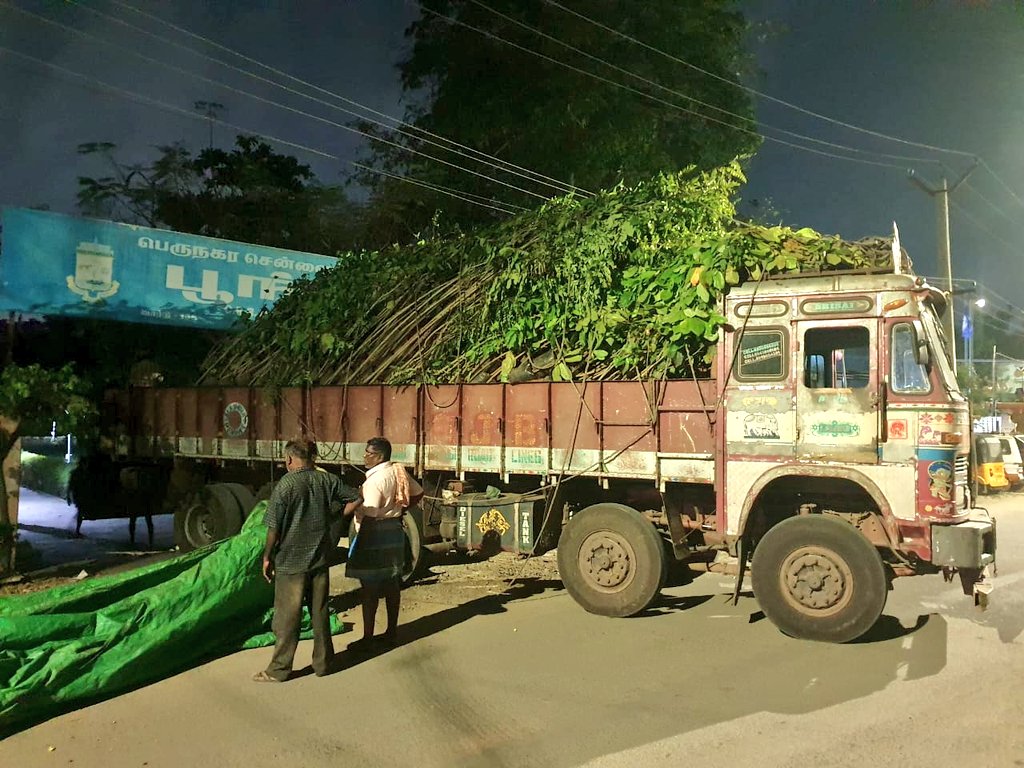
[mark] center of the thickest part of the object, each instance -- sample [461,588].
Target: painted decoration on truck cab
[760,426]
[933,426]
[898,429]
[940,479]
[936,489]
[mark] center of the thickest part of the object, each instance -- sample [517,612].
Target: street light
[980,304]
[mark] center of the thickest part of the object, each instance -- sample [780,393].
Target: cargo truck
[827,454]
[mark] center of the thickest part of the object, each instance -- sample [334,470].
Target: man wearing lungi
[377,557]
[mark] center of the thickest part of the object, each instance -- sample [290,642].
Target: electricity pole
[941,195]
[212,111]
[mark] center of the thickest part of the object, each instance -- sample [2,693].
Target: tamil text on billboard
[61,265]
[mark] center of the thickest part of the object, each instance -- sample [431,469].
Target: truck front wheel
[818,578]
[611,560]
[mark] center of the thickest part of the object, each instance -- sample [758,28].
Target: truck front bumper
[969,549]
[970,544]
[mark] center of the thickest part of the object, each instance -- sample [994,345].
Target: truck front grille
[960,470]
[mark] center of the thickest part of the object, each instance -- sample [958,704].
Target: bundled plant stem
[625,285]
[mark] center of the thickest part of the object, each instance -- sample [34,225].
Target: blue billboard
[61,265]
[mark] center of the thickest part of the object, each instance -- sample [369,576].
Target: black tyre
[818,578]
[415,554]
[612,560]
[244,496]
[214,515]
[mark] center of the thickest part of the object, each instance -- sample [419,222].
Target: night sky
[947,74]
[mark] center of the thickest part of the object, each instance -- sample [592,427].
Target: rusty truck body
[828,454]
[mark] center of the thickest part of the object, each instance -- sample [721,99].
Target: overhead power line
[743,118]
[397,124]
[271,102]
[140,98]
[503,207]
[761,94]
[790,105]
[1013,249]
[1014,195]
[95,83]
[1002,213]
[652,97]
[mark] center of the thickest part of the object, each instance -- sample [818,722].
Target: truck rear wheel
[818,578]
[415,555]
[244,496]
[214,515]
[611,560]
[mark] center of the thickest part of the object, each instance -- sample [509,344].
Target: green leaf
[507,364]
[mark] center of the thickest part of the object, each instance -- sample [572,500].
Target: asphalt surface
[47,523]
[529,678]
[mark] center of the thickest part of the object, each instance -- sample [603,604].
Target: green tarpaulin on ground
[75,645]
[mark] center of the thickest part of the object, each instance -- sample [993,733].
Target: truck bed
[659,431]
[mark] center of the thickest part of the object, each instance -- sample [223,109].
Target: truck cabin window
[907,374]
[762,355]
[836,358]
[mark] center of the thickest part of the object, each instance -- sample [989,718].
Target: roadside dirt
[27,586]
[453,580]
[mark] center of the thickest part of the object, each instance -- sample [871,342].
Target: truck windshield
[936,344]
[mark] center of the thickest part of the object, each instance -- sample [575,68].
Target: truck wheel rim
[607,560]
[199,528]
[816,581]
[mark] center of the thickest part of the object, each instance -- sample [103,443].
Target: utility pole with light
[212,110]
[941,194]
[980,304]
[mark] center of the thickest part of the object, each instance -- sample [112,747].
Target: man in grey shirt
[298,521]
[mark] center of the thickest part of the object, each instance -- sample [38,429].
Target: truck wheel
[611,560]
[818,578]
[414,560]
[244,496]
[214,515]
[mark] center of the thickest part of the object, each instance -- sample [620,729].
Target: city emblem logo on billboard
[94,273]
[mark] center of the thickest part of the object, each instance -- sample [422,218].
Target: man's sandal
[263,677]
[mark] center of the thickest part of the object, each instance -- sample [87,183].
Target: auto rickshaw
[988,464]
[1013,465]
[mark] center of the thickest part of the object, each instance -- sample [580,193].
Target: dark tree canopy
[250,193]
[506,102]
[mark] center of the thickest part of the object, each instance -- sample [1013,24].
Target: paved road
[531,679]
[48,524]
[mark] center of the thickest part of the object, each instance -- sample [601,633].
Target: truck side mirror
[921,354]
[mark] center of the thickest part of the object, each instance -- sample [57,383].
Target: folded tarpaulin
[71,646]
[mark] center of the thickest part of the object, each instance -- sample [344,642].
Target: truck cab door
[837,388]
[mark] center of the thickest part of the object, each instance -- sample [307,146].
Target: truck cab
[840,405]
